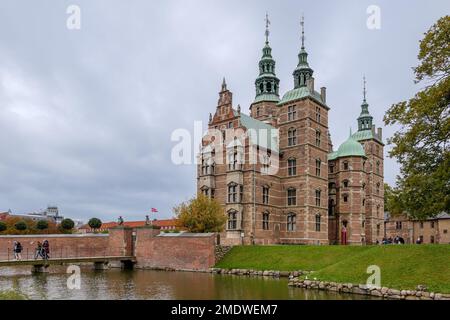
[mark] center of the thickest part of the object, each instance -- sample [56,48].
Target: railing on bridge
[7,254]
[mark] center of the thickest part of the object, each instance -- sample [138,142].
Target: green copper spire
[267,83]
[303,72]
[364,119]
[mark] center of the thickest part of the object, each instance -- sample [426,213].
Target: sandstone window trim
[345,197]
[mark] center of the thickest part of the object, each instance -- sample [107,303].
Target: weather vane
[302,23]
[267,27]
[364,87]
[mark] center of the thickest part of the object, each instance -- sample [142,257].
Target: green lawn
[402,266]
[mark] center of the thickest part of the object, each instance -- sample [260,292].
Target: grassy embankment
[402,266]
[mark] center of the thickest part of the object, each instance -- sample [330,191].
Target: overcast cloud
[86,115]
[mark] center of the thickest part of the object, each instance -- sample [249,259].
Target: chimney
[380,133]
[310,84]
[373,130]
[323,94]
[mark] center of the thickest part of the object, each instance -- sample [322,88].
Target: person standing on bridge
[17,250]
[39,251]
[46,249]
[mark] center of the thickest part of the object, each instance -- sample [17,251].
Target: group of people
[396,240]
[42,250]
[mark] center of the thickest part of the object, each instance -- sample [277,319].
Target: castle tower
[372,142]
[267,86]
[303,125]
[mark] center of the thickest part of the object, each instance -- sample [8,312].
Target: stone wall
[174,251]
[221,251]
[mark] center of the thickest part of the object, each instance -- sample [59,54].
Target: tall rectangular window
[291,222]
[232,220]
[265,195]
[292,197]
[265,225]
[232,193]
[317,222]
[318,138]
[292,113]
[292,167]
[318,114]
[318,198]
[318,164]
[292,137]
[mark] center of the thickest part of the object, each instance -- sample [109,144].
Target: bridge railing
[62,252]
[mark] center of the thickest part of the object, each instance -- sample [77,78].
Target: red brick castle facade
[276,173]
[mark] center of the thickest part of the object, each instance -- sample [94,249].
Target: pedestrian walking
[17,250]
[46,249]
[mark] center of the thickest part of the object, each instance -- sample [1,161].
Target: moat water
[147,284]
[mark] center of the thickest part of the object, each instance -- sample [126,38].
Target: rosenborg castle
[277,173]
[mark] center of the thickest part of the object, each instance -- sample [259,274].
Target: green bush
[3,226]
[67,224]
[42,224]
[95,223]
[21,225]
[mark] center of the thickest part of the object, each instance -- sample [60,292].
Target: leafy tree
[21,225]
[42,225]
[201,214]
[68,224]
[3,226]
[421,146]
[95,223]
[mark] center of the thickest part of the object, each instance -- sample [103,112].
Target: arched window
[269,87]
[292,197]
[292,167]
[261,87]
[291,222]
[318,222]
[292,137]
[265,220]
[232,220]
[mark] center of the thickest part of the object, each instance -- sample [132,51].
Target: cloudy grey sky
[86,115]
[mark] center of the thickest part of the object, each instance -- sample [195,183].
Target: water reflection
[148,284]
